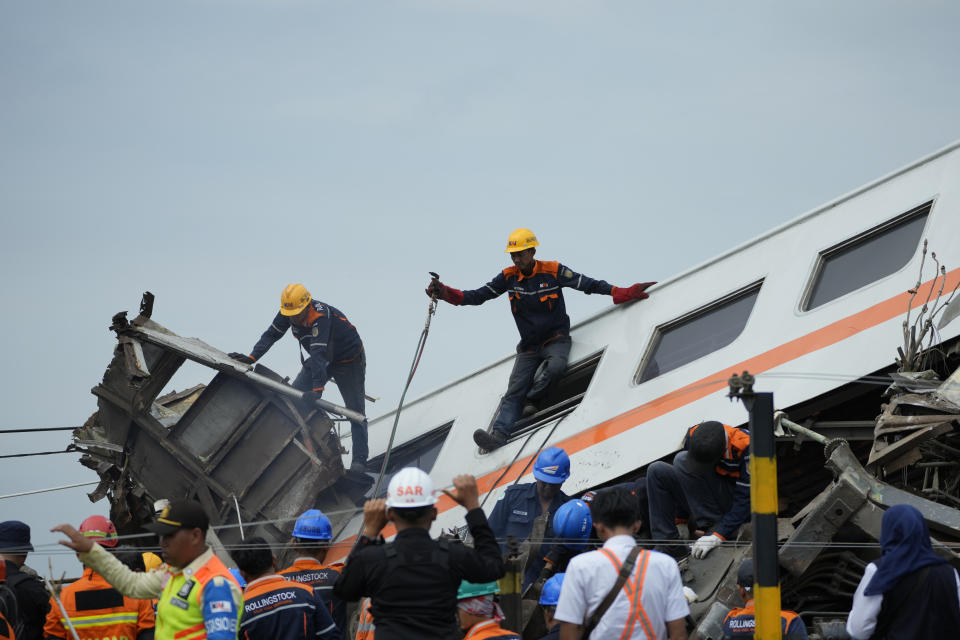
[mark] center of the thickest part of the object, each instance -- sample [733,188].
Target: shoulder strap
[441,555]
[625,570]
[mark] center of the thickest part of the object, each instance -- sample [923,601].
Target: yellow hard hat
[294,299]
[521,239]
[151,561]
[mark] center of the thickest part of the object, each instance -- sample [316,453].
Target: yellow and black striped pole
[763,501]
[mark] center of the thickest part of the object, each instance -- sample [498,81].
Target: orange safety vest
[366,628]
[6,631]
[489,630]
[633,588]
[97,610]
[736,446]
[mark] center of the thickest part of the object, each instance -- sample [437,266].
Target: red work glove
[635,292]
[445,293]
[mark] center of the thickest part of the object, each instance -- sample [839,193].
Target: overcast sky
[213,151]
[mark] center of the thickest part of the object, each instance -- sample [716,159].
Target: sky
[213,151]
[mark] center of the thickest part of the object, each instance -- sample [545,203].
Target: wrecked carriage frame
[240,445]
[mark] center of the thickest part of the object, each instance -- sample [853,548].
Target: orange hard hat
[100,530]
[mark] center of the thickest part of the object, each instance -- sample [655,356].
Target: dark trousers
[350,378]
[533,375]
[673,491]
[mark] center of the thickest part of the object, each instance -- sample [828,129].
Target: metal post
[510,583]
[763,501]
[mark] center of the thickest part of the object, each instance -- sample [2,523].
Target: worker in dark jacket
[709,480]
[413,580]
[33,602]
[312,534]
[548,602]
[535,290]
[275,608]
[334,350]
[526,510]
[741,622]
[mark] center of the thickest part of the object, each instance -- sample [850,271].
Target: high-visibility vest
[633,588]
[366,627]
[97,610]
[180,609]
[489,630]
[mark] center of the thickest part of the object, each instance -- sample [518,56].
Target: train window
[698,333]
[421,453]
[565,396]
[866,258]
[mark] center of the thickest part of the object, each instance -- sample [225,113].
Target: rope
[421,343]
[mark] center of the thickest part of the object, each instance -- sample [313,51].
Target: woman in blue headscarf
[909,592]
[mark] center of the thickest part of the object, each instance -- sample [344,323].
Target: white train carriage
[808,307]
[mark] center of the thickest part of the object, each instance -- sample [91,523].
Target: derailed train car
[815,309]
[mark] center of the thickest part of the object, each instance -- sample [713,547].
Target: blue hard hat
[552,465]
[550,595]
[313,525]
[572,523]
[240,581]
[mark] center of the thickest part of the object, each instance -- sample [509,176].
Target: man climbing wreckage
[709,481]
[334,350]
[535,290]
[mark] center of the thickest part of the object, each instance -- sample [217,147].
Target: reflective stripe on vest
[633,590]
[180,609]
[365,629]
[103,620]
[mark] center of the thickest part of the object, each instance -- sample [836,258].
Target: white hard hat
[410,487]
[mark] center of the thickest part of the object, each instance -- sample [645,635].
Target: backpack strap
[441,554]
[625,570]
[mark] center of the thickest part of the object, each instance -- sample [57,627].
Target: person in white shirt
[651,604]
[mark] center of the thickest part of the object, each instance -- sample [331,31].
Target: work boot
[529,409]
[358,467]
[489,441]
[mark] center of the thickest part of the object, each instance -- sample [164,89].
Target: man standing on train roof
[334,350]
[709,480]
[526,510]
[312,534]
[535,290]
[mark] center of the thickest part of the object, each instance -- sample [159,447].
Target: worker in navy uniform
[741,622]
[572,528]
[334,350]
[535,290]
[33,602]
[709,480]
[275,608]
[548,602]
[312,534]
[524,505]
[413,580]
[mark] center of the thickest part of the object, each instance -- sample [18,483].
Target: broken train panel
[238,444]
